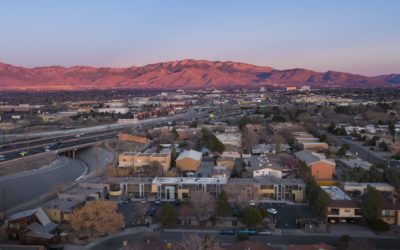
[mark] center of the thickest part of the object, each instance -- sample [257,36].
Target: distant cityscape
[244,165]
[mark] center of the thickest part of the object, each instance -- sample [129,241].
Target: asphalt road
[22,188]
[363,152]
[116,242]
[69,138]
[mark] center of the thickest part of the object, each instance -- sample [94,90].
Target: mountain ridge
[186,74]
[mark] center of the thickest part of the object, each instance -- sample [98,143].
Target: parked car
[252,203]
[23,153]
[265,233]
[2,158]
[157,202]
[248,232]
[272,211]
[227,231]
[177,202]
[151,211]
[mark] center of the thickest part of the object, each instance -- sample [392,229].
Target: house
[391,209]
[269,148]
[267,166]
[341,207]
[354,163]
[230,139]
[227,162]
[220,172]
[32,227]
[314,146]
[189,160]
[321,167]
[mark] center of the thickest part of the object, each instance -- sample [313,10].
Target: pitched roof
[310,157]
[38,212]
[195,155]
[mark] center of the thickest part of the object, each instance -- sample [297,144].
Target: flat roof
[62,204]
[366,184]
[336,193]
[190,180]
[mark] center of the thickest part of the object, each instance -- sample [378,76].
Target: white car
[252,203]
[266,233]
[272,211]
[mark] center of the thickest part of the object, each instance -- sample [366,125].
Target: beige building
[138,161]
[341,207]
[188,160]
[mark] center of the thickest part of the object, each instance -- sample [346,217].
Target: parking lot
[287,214]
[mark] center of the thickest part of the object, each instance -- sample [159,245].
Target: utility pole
[4,203]
[97,159]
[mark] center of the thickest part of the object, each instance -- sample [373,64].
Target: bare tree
[277,141]
[203,203]
[240,195]
[195,242]
[96,218]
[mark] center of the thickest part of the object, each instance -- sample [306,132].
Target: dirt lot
[26,164]
[122,146]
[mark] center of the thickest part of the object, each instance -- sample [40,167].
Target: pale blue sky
[359,36]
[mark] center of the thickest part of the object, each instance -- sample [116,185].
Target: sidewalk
[128,231]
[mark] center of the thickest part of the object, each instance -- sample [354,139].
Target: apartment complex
[138,160]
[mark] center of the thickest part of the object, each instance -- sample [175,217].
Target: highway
[59,140]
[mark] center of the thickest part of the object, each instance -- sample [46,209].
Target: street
[287,239]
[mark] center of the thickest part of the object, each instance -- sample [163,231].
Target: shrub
[379,225]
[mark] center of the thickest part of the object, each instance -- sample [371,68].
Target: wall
[133,138]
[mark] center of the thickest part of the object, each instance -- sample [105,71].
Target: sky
[358,36]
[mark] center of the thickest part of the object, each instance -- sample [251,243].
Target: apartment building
[171,188]
[361,187]
[138,160]
[341,207]
[321,167]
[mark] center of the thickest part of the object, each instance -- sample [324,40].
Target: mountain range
[184,74]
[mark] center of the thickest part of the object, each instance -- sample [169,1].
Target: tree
[243,121]
[175,135]
[168,215]
[195,242]
[372,204]
[383,146]
[342,150]
[154,169]
[318,199]
[97,217]
[222,203]
[251,216]
[304,171]
[278,140]
[392,131]
[203,203]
